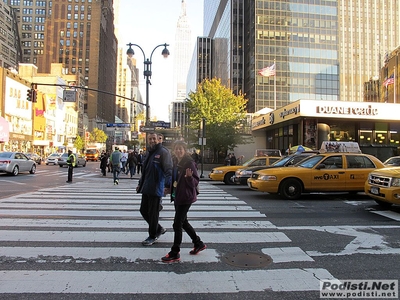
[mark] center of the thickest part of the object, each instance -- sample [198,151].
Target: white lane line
[286,254]
[388,214]
[129,214]
[126,282]
[118,237]
[13,182]
[66,254]
[133,224]
[116,206]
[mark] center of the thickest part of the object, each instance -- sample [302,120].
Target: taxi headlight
[395,181]
[217,171]
[244,172]
[267,177]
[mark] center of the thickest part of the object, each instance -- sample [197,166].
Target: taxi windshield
[282,161]
[310,162]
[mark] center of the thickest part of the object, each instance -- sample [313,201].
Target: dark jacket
[185,191]
[157,172]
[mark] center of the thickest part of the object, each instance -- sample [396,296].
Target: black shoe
[171,257]
[149,241]
[197,249]
[69,181]
[161,232]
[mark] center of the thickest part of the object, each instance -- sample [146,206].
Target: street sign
[69,96]
[147,129]
[161,124]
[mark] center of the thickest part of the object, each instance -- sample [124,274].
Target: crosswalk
[86,239]
[62,173]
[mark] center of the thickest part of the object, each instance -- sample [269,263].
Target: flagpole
[394,88]
[275,86]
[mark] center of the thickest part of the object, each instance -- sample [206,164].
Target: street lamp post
[147,71]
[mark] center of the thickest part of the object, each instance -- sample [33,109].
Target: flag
[268,71]
[389,81]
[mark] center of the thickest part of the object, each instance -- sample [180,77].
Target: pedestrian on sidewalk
[140,158]
[115,161]
[154,183]
[183,193]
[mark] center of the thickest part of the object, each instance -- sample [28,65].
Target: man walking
[71,161]
[139,162]
[115,161]
[154,183]
[124,160]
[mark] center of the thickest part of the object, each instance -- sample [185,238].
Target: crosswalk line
[126,282]
[129,237]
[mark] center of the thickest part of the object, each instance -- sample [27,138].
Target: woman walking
[183,192]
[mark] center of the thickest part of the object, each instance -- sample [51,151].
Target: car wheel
[383,204]
[84,165]
[15,171]
[228,178]
[33,170]
[47,164]
[60,166]
[291,189]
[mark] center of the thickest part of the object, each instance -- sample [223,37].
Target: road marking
[125,282]
[13,182]
[388,214]
[130,224]
[286,254]
[129,237]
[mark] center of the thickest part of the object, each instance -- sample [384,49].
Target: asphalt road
[83,241]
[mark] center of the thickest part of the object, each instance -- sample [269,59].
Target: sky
[149,23]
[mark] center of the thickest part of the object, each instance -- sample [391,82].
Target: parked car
[15,162]
[325,172]
[226,173]
[242,174]
[392,161]
[383,185]
[52,159]
[36,158]
[80,160]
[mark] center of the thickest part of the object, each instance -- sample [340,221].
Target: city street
[83,241]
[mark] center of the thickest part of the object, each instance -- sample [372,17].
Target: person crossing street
[115,160]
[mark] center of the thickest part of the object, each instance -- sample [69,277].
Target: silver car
[15,162]
[80,160]
[52,159]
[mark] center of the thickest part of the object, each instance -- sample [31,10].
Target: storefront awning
[4,130]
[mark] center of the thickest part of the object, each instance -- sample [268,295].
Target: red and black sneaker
[171,257]
[198,248]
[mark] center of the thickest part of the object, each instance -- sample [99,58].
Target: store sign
[342,110]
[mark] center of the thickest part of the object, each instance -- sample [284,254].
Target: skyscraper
[78,34]
[322,50]
[182,56]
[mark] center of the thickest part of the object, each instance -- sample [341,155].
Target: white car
[52,159]
[15,162]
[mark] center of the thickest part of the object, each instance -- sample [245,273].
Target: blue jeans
[132,170]
[116,171]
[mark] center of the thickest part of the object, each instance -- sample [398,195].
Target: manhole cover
[247,259]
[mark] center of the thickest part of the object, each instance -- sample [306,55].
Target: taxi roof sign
[335,146]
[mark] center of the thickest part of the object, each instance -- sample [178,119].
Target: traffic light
[34,95]
[29,95]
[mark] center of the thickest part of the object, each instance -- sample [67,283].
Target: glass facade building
[322,49]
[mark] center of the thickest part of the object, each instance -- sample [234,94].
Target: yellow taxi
[226,173]
[383,186]
[324,172]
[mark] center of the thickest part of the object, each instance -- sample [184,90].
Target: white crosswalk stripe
[100,224]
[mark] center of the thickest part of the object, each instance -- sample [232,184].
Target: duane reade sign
[69,96]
